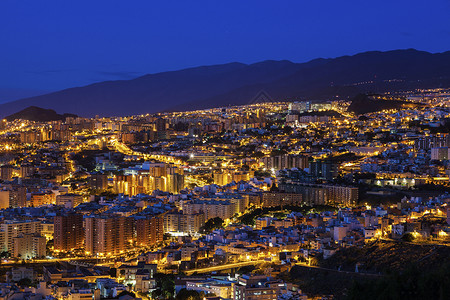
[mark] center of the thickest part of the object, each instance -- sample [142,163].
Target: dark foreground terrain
[386,270]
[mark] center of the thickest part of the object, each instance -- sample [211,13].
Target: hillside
[382,265]
[239,84]
[38,114]
[388,256]
[362,104]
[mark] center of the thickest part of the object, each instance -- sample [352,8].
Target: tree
[166,286]
[126,293]
[212,224]
[408,237]
[5,254]
[25,282]
[258,154]
[411,283]
[185,294]
[274,188]
[277,152]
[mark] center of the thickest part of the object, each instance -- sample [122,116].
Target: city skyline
[211,150]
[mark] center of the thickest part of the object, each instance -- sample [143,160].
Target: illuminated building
[149,230]
[179,222]
[255,287]
[6,172]
[29,245]
[42,198]
[26,170]
[12,229]
[286,161]
[108,234]
[69,232]
[271,199]
[98,181]
[222,208]
[69,200]
[13,197]
[222,178]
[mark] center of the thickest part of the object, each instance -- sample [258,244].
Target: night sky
[50,45]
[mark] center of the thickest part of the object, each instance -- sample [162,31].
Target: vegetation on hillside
[410,284]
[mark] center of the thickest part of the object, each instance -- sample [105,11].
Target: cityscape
[228,197]
[269,180]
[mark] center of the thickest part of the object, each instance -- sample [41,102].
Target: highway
[191,180]
[224,267]
[124,149]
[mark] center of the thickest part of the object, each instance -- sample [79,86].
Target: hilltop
[37,114]
[239,84]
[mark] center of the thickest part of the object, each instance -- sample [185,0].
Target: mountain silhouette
[38,114]
[239,84]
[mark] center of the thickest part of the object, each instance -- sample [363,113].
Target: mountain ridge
[238,83]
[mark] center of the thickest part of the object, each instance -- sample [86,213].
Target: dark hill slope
[362,104]
[155,92]
[236,84]
[38,114]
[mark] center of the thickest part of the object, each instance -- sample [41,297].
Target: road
[124,149]
[223,267]
[191,180]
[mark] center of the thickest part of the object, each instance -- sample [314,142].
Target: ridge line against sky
[52,45]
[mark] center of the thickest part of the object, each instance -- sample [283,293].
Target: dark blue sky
[53,44]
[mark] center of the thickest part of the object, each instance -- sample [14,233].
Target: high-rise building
[287,161]
[300,106]
[324,169]
[69,200]
[433,141]
[132,184]
[240,175]
[337,194]
[13,197]
[153,176]
[222,177]
[440,153]
[175,183]
[35,136]
[160,124]
[98,181]
[222,208]
[4,199]
[69,232]
[29,245]
[42,198]
[26,170]
[108,234]
[6,172]
[179,222]
[11,229]
[149,230]
[272,199]
[18,197]
[313,194]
